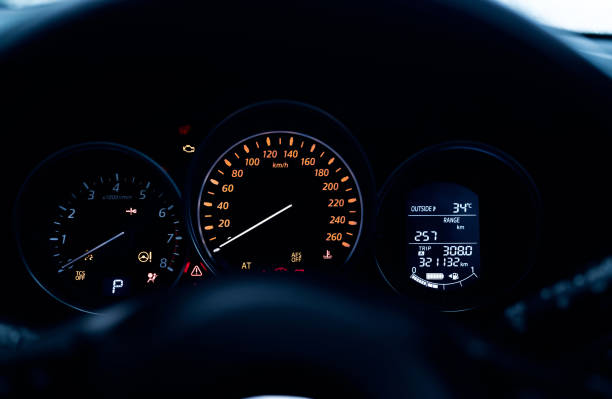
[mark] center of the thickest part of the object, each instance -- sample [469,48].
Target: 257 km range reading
[443,233]
[279,202]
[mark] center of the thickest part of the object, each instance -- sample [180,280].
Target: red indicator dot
[184,130]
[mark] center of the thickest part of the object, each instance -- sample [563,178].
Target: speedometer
[279,201]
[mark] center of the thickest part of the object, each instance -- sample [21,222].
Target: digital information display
[443,236]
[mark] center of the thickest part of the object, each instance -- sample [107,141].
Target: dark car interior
[306,199]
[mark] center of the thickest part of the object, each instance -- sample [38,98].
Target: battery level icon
[434,276]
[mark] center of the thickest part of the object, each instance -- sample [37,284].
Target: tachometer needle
[90,251]
[252,227]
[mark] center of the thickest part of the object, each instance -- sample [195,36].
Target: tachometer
[279,201]
[99,223]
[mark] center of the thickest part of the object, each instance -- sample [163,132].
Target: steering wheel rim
[245,337]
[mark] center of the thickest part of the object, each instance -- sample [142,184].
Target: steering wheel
[236,337]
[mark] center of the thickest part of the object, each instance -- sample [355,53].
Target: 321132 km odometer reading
[279,202]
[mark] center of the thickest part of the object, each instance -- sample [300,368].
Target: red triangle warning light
[196,271]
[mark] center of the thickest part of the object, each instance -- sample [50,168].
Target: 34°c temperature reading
[461,207]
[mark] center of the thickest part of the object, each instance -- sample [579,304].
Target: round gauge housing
[457,226]
[100,222]
[277,198]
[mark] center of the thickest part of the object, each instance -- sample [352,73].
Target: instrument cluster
[278,188]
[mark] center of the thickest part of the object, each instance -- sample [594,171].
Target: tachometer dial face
[116,234]
[110,231]
[280,202]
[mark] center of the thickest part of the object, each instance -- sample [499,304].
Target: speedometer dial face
[280,202]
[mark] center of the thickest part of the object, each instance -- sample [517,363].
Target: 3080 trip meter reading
[444,236]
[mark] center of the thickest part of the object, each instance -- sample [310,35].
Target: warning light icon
[196,271]
[189,149]
[184,130]
[151,277]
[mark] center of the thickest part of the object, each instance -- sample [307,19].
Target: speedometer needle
[252,227]
[90,251]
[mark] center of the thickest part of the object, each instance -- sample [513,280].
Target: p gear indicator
[443,236]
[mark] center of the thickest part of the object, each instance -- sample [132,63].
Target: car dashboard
[153,150]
